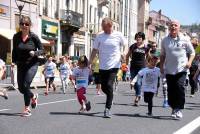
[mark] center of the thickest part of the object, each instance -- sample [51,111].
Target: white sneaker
[179,114]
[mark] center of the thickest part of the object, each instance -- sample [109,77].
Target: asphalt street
[57,113]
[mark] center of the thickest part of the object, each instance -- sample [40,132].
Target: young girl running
[49,72]
[148,79]
[65,72]
[81,75]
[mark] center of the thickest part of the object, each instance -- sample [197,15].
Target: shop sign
[4,10]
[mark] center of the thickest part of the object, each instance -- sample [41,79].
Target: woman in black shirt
[138,53]
[26,49]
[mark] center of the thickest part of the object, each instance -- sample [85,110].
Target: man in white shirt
[175,49]
[108,44]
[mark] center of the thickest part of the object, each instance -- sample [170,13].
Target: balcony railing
[103,2]
[71,18]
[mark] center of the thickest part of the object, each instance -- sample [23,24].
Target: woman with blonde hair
[26,49]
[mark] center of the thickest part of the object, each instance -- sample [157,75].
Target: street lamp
[20,5]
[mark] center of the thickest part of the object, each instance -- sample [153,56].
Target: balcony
[71,18]
[103,2]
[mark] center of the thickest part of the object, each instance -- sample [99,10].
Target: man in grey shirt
[174,63]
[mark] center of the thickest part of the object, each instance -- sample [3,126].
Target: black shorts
[49,80]
[97,78]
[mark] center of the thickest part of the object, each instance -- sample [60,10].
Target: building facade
[158,27]
[143,15]
[9,21]
[68,27]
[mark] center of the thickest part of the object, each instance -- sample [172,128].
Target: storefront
[50,33]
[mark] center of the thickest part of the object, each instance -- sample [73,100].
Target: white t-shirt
[49,69]
[149,79]
[2,63]
[81,76]
[65,70]
[109,46]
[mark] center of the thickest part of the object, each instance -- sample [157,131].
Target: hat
[156,54]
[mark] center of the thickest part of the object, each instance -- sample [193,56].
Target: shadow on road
[146,116]
[11,114]
[70,113]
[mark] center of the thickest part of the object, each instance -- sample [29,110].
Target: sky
[187,12]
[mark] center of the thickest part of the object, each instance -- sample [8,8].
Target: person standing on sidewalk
[174,50]
[108,44]
[26,49]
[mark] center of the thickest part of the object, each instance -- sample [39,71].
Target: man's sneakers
[165,104]
[26,112]
[34,101]
[107,113]
[149,114]
[177,114]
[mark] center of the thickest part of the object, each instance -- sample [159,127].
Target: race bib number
[81,82]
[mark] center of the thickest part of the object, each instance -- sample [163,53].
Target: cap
[156,54]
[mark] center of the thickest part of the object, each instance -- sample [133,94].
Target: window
[90,20]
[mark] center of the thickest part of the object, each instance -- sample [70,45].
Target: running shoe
[179,114]
[173,114]
[26,112]
[107,113]
[46,93]
[34,101]
[5,95]
[88,106]
[149,114]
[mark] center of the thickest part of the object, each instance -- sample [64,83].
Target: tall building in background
[158,27]
[143,15]
[49,25]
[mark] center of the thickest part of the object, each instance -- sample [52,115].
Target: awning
[7,33]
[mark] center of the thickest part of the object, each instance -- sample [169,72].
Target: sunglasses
[24,24]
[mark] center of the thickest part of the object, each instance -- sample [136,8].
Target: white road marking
[4,110]
[190,127]
[53,102]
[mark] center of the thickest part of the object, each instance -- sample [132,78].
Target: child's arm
[139,80]
[158,85]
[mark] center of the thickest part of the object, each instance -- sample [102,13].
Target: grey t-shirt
[175,51]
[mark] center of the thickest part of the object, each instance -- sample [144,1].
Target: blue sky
[185,11]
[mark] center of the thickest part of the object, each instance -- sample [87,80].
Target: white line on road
[189,128]
[4,110]
[53,102]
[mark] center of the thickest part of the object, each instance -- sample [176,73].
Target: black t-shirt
[138,56]
[22,48]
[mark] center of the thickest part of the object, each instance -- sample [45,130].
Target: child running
[148,79]
[49,72]
[65,72]
[81,75]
